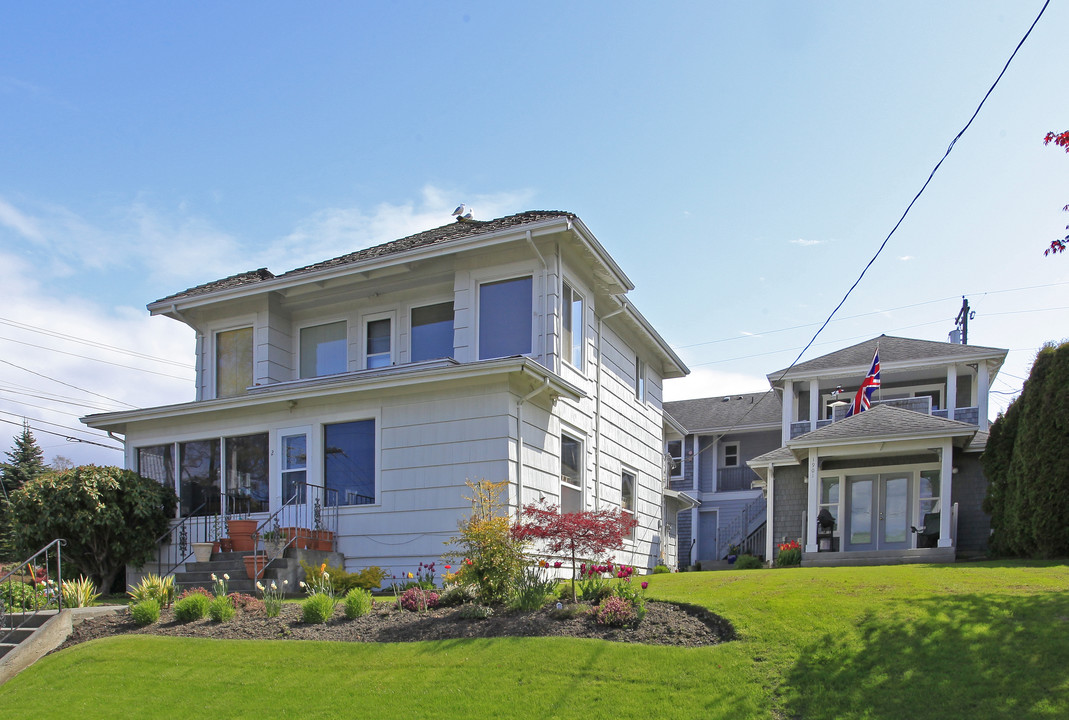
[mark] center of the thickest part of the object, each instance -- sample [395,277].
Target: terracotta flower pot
[226,545]
[301,537]
[241,532]
[254,565]
[322,540]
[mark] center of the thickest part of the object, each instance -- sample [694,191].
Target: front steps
[286,568]
[878,557]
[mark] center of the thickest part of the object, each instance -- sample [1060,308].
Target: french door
[877,511]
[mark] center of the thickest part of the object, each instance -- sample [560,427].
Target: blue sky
[741,161]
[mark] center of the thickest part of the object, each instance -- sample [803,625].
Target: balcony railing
[969,415]
[730,479]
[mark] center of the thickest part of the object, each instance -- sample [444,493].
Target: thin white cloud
[806,243]
[905,258]
[13,218]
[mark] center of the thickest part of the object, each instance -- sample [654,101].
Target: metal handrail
[303,515]
[7,617]
[183,549]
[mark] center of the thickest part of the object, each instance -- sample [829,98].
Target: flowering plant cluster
[790,553]
[319,584]
[272,597]
[789,545]
[417,599]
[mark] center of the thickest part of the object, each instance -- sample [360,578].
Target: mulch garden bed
[664,624]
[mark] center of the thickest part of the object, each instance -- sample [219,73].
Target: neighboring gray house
[902,481]
[910,462]
[373,385]
[709,463]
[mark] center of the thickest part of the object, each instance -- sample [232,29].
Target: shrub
[146,612]
[417,599]
[358,603]
[220,609]
[192,607]
[457,595]
[317,608]
[475,612]
[615,611]
[79,593]
[22,596]
[489,556]
[533,588]
[749,562]
[790,554]
[246,603]
[658,570]
[633,595]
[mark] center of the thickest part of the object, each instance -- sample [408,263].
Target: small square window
[731,455]
[675,458]
[571,478]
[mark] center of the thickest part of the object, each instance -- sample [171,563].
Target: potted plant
[733,553]
[241,531]
[202,551]
[255,565]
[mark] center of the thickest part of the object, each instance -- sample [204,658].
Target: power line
[52,398]
[66,437]
[86,357]
[92,343]
[46,422]
[75,387]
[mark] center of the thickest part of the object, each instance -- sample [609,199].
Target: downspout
[199,369]
[597,406]
[546,315]
[121,441]
[519,442]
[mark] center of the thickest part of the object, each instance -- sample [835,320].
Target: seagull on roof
[459,212]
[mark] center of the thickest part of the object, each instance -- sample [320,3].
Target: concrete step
[5,648]
[15,635]
[28,619]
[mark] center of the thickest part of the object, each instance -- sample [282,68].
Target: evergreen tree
[25,462]
[1027,463]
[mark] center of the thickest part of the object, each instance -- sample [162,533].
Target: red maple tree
[1061,140]
[577,534]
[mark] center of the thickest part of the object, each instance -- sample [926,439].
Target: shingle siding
[789,503]
[968,490]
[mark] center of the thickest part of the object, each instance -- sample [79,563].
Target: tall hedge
[1027,464]
[109,517]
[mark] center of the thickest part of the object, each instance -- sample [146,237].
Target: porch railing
[312,508]
[740,529]
[175,546]
[729,479]
[28,589]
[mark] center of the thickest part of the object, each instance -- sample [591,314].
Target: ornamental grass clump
[221,609]
[272,597]
[358,603]
[192,607]
[534,588]
[317,608]
[155,587]
[79,593]
[146,612]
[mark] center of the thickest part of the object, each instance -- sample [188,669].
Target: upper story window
[349,462]
[432,332]
[233,362]
[323,349]
[731,455]
[571,477]
[572,326]
[505,318]
[640,379]
[675,458]
[378,348]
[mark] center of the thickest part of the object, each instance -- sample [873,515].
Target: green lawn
[978,640]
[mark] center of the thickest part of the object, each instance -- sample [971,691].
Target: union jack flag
[863,398]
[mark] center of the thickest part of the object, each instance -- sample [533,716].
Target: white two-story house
[381,381]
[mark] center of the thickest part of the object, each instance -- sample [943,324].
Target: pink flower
[645,584]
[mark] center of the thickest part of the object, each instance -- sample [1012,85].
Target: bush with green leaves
[457,595]
[192,607]
[358,603]
[660,569]
[146,612]
[18,596]
[749,562]
[534,587]
[633,594]
[221,609]
[154,587]
[110,518]
[317,608]
[490,557]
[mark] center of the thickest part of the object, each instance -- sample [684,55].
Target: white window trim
[640,380]
[512,272]
[738,454]
[633,537]
[366,318]
[676,472]
[276,459]
[578,325]
[422,303]
[212,332]
[581,486]
[317,323]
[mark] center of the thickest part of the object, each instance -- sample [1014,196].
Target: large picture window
[571,477]
[233,362]
[432,332]
[572,326]
[198,463]
[349,462]
[323,349]
[247,473]
[505,320]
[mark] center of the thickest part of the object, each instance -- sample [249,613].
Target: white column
[770,527]
[982,384]
[814,403]
[788,409]
[714,459]
[693,535]
[814,501]
[952,390]
[946,474]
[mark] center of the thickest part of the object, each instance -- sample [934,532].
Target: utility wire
[75,387]
[92,343]
[65,437]
[895,228]
[46,422]
[51,398]
[86,357]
